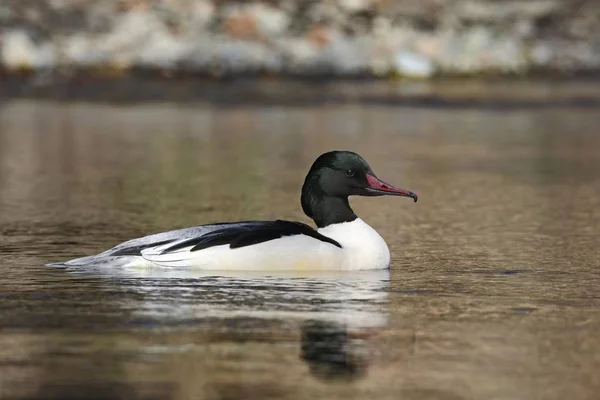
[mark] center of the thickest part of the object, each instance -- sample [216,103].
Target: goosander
[342,241]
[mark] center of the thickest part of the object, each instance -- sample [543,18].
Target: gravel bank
[377,38]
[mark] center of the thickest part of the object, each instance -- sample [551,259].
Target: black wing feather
[250,234]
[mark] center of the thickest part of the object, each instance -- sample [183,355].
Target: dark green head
[332,178]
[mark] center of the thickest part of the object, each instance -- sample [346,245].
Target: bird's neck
[325,210]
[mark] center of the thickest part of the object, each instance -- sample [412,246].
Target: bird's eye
[350,172]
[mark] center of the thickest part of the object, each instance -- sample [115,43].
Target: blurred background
[338,38]
[188,50]
[121,118]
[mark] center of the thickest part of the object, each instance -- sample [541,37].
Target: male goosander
[342,241]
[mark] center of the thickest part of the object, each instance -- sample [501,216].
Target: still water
[493,292]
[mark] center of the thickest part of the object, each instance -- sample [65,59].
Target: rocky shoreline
[311,38]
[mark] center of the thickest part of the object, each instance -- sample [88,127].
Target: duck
[341,242]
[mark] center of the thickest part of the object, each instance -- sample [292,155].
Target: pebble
[413,65]
[20,52]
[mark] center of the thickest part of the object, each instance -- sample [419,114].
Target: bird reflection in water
[334,312]
[331,352]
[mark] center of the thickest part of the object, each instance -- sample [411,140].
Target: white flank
[362,248]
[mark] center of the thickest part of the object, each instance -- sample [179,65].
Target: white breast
[362,247]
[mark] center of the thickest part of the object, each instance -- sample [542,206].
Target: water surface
[493,291]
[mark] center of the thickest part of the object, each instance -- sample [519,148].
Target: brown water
[493,293]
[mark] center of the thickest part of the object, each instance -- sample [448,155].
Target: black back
[248,234]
